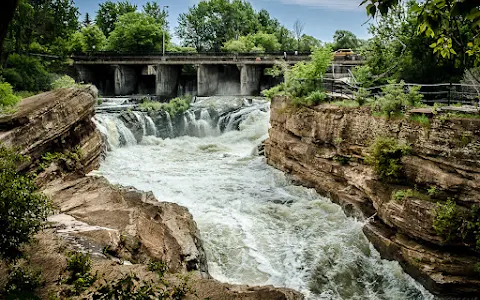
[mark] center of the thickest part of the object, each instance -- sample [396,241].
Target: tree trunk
[6,14]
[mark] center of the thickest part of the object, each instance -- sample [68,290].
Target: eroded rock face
[135,224]
[99,217]
[324,146]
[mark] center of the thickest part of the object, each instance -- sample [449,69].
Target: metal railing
[444,93]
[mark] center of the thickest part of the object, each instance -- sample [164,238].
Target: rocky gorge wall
[324,147]
[122,228]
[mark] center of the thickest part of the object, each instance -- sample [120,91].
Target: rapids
[257,227]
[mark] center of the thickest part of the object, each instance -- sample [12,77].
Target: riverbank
[123,229]
[324,147]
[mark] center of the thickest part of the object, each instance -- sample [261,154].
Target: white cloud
[329,4]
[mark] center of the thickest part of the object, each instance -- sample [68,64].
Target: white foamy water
[258,228]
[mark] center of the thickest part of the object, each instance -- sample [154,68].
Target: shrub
[23,209]
[315,97]
[174,107]
[79,265]
[7,98]
[405,194]
[64,82]
[395,101]
[26,73]
[362,96]
[158,267]
[129,287]
[385,155]
[422,119]
[22,283]
[447,222]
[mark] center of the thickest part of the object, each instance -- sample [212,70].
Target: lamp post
[163,31]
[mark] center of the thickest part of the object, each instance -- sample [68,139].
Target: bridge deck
[257,59]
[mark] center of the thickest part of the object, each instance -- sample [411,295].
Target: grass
[409,193]
[422,119]
[345,103]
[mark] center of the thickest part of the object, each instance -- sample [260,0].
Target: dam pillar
[166,82]
[125,80]
[250,76]
[85,74]
[207,80]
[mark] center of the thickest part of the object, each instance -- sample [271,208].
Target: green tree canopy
[22,208]
[93,39]
[110,12]
[136,32]
[444,21]
[258,42]
[344,39]
[209,24]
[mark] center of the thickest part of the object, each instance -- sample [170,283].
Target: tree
[298,31]
[136,32]
[154,10]
[26,73]
[110,12]
[397,52]
[87,21]
[308,42]
[444,21]
[22,208]
[209,24]
[6,15]
[93,39]
[344,39]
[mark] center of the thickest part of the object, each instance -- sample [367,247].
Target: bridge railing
[444,93]
[191,54]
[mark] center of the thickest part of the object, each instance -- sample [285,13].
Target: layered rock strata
[121,227]
[324,147]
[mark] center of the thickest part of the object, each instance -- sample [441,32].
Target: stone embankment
[324,147]
[121,227]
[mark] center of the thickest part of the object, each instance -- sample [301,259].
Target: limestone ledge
[307,142]
[109,221]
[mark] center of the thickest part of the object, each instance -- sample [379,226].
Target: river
[257,227]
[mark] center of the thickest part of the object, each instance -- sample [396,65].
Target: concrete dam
[167,76]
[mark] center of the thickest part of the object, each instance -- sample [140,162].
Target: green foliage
[64,82]
[109,13]
[345,103]
[88,40]
[342,160]
[26,73]
[80,266]
[257,42]
[362,96]
[7,98]
[399,52]
[174,107]
[447,221]
[158,267]
[395,101]
[363,76]
[456,224]
[409,193]
[23,209]
[136,32]
[302,81]
[432,191]
[130,286]
[67,158]
[422,119]
[385,155]
[344,39]
[22,283]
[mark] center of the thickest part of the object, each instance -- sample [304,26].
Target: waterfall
[151,128]
[207,117]
[169,124]
[141,120]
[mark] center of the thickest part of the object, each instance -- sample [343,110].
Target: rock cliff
[324,147]
[115,224]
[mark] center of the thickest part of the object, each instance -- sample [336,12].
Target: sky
[321,17]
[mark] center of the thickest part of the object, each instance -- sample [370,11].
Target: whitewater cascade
[257,227]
